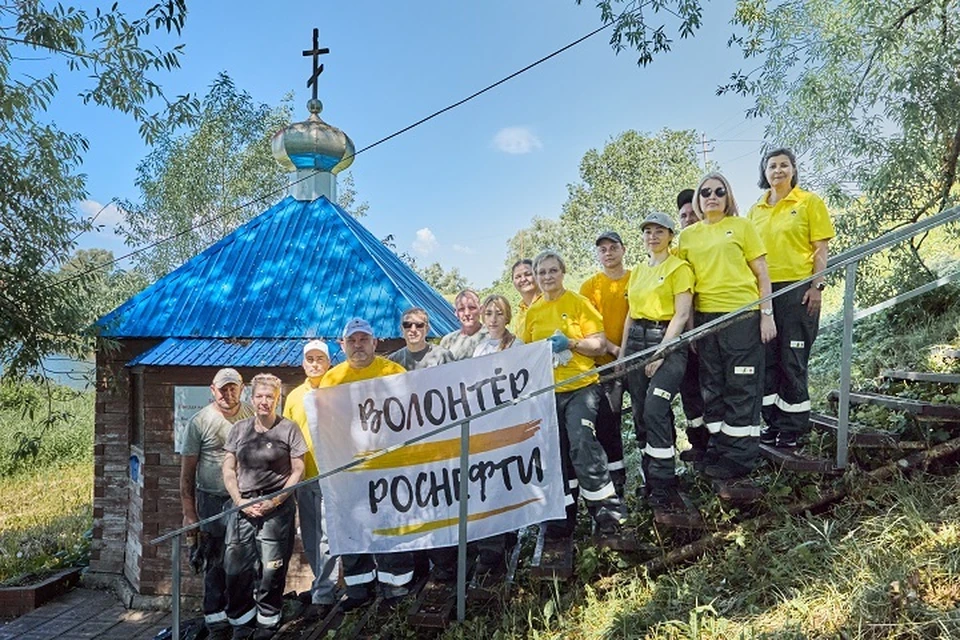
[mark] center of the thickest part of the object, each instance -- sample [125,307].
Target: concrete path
[86,614]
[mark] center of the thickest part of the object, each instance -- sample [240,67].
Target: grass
[47,515]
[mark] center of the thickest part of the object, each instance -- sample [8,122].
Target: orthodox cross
[316,52]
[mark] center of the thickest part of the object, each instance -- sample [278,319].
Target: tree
[104,289]
[198,186]
[447,282]
[632,27]
[869,94]
[39,312]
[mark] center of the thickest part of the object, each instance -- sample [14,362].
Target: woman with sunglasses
[418,354]
[727,257]
[796,228]
[659,297]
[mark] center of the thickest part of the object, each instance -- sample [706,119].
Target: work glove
[198,552]
[558,342]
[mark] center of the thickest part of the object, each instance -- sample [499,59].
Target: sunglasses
[706,192]
[410,325]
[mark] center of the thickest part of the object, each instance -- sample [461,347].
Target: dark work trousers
[692,399]
[651,399]
[731,370]
[609,415]
[315,545]
[584,463]
[393,571]
[256,560]
[214,578]
[786,399]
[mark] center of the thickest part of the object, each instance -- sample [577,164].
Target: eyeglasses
[410,325]
[706,192]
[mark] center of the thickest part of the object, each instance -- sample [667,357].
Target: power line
[433,115]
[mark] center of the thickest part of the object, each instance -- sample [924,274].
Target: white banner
[408,498]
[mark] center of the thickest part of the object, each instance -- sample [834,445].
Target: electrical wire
[382,140]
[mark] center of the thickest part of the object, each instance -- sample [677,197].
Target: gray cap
[661,219]
[227,376]
[609,235]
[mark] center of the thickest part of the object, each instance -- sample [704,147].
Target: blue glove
[558,342]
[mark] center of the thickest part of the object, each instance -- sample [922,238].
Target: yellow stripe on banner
[423,453]
[423,527]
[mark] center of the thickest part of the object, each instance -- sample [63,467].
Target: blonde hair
[267,380]
[415,311]
[731,208]
[503,305]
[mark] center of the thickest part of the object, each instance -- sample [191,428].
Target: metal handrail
[847,260]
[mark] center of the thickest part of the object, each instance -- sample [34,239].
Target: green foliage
[868,93]
[40,163]
[105,288]
[216,176]
[633,175]
[634,29]
[449,282]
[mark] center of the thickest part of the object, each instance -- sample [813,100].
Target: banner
[408,498]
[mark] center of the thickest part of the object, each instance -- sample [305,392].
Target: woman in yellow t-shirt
[574,329]
[727,257]
[659,296]
[796,229]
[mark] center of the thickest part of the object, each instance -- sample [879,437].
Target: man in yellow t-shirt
[394,571]
[316,361]
[607,291]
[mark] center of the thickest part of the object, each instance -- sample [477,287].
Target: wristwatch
[820,286]
[766,312]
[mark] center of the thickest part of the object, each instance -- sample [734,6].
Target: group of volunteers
[715,263]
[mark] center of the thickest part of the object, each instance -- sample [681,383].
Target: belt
[649,325]
[256,493]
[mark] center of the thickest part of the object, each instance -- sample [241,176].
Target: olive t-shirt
[263,459]
[204,437]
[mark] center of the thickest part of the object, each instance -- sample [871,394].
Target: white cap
[317,345]
[227,376]
[357,325]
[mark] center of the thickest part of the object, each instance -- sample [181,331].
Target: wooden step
[794,460]
[552,558]
[927,410]
[921,376]
[434,605]
[859,435]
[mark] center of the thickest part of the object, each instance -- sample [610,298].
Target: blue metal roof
[298,270]
[217,352]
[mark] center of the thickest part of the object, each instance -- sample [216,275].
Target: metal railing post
[846,355]
[175,559]
[462,523]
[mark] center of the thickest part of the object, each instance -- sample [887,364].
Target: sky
[455,189]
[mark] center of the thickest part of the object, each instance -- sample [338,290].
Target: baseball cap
[661,219]
[317,345]
[227,376]
[609,235]
[357,325]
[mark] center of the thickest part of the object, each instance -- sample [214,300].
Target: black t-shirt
[263,459]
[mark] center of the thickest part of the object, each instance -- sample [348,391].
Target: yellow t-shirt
[789,229]
[652,290]
[293,410]
[576,318]
[609,297]
[719,254]
[343,373]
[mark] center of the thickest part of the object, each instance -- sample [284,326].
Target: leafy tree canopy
[642,25]
[869,94]
[40,163]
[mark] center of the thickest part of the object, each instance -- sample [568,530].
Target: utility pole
[704,149]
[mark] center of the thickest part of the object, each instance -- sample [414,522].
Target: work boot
[694,454]
[788,441]
[768,436]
